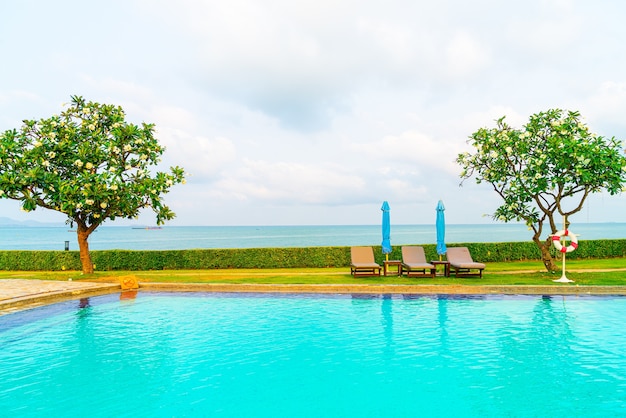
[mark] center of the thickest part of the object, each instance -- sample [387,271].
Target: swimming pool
[227,355]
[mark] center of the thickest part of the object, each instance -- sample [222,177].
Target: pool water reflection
[203,354]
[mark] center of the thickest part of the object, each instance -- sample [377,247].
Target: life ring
[556,241]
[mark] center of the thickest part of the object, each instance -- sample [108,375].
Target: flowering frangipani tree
[547,168]
[88,163]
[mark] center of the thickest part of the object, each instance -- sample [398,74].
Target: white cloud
[289,111]
[396,43]
[414,149]
[291,183]
[465,55]
[609,98]
[202,158]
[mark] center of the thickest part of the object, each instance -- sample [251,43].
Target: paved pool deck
[19,294]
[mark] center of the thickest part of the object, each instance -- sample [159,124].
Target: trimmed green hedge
[277,257]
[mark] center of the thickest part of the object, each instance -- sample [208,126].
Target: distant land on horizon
[4,221]
[10,222]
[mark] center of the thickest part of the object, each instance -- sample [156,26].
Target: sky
[314,112]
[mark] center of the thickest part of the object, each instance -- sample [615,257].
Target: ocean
[190,237]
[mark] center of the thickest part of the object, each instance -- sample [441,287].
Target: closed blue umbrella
[386,244]
[441,230]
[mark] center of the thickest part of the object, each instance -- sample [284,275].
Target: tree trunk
[83,245]
[546,257]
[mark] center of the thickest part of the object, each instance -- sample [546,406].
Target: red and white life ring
[556,241]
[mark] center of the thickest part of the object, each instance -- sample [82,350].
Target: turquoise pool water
[178,355]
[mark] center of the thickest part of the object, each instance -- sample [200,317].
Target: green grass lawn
[605,272]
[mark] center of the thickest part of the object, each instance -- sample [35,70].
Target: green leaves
[547,167]
[87,162]
[552,157]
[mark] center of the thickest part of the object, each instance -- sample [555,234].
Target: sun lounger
[414,262]
[363,263]
[462,263]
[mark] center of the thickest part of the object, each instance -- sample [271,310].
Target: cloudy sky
[315,111]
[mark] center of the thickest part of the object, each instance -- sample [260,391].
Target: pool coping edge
[39,299]
[383,288]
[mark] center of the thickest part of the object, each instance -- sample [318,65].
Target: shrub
[292,257]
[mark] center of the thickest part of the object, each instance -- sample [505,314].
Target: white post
[563,278]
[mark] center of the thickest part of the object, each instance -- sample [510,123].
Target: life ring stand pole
[563,278]
[563,249]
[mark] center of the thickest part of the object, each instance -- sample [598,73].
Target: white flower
[127,147]
[79,205]
[112,169]
[46,163]
[114,187]
[78,163]
[509,150]
[127,167]
[1,192]
[169,182]
[37,143]
[143,157]
[103,205]
[139,141]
